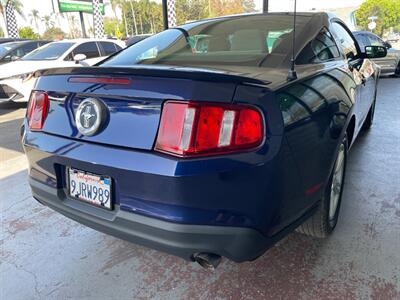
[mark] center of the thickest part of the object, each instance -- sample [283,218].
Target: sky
[45,8]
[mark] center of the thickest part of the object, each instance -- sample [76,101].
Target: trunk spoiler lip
[178,72]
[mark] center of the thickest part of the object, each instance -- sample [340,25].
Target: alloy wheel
[337,184]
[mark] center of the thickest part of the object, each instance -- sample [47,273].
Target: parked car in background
[221,151]
[136,39]
[393,37]
[390,65]
[15,50]
[7,40]
[17,80]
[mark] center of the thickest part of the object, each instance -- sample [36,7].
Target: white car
[17,80]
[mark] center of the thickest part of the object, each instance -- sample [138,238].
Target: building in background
[347,15]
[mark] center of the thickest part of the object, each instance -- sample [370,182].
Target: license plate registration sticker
[91,188]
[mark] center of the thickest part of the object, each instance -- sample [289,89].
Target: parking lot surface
[44,255]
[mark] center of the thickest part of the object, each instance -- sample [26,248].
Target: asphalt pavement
[44,255]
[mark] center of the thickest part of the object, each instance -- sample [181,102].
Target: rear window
[245,40]
[322,48]
[50,51]
[108,48]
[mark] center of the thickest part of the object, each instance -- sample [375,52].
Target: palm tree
[48,22]
[72,24]
[114,6]
[17,6]
[34,16]
[57,16]
[134,18]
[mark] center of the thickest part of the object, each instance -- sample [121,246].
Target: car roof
[366,32]
[77,42]
[301,14]
[363,32]
[20,43]
[7,40]
[85,40]
[14,43]
[316,19]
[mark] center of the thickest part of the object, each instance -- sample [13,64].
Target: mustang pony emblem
[89,116]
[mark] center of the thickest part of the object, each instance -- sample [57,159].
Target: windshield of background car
[49,52]
[243,41]
[4,48]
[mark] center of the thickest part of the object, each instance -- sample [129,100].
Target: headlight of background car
[25,77]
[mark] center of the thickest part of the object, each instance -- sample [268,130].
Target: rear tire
[324,220]
[370,117]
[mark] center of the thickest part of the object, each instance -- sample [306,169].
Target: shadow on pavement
[5,107]
[10,135]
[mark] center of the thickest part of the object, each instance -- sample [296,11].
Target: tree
[145,16]
[112,27]
[73,26]
[17,5]
[34,16]
[193,10]
[248,6]
[54,33]
[28,33]
[122,4]
[18,9]
[387,11]
[48,22]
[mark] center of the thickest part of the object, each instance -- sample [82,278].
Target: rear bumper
[15,90]
[235,243]
[7,93]
[241,190]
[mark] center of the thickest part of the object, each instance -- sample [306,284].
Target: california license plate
[91,188]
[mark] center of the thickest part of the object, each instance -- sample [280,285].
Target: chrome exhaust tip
[208,261]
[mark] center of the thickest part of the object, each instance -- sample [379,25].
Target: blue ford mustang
[196,141]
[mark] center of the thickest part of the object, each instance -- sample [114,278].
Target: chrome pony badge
[89,116]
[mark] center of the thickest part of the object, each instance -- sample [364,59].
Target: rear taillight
[38,109]
[193,128]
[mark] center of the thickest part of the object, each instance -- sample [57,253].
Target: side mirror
[387,45]
[79,57]
[14,58]
[375,51]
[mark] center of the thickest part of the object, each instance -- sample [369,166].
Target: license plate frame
[103,180]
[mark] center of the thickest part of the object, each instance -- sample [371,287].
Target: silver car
[390,65]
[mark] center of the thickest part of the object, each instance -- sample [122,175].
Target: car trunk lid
[133,99]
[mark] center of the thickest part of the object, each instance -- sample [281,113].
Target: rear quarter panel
[316,112]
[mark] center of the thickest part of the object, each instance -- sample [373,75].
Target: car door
[108,48]
[388,63]
[360,69]
[90,49]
